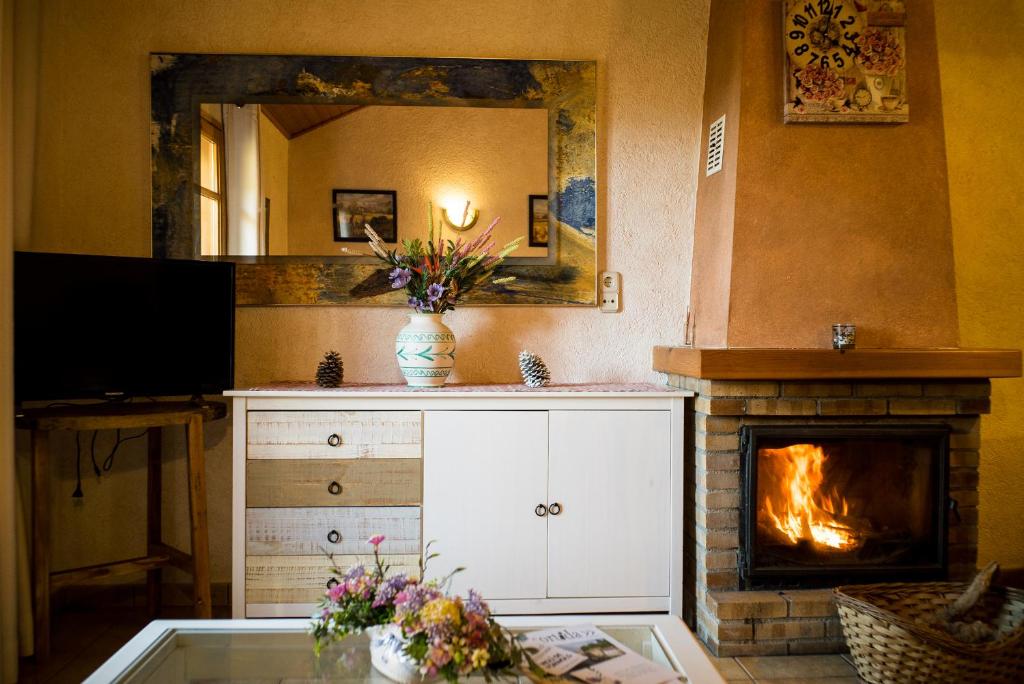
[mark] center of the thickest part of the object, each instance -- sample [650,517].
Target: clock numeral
[800,49]
[851,36]
[800,21]
[796,35]
[811,10]
[825,6]
[824,62]
[838,59]
[814,57]
[851,51]
[847,22]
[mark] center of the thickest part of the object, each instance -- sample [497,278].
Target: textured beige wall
[833,223]
[982,66]
[274,183]
[716,194]
[93,195]
[494,157]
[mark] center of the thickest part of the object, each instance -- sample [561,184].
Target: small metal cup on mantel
[844,336]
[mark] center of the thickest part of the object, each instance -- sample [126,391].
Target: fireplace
[825,505]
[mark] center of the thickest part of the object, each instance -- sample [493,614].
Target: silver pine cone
[535,373]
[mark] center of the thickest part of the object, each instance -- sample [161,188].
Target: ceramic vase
[388,656]
[425,349]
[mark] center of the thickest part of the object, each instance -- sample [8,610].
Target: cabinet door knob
[334,440]
[555,508]
[331,583]
[334,488]
[334,536]
[541,510]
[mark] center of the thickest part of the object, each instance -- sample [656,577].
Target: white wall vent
[716,142]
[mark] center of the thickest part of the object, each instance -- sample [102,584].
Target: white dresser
[566,499]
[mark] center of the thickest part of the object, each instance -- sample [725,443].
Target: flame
[796,504]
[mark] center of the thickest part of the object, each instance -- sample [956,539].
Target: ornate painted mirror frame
[179,82]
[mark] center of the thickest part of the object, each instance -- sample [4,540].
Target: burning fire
[795,502]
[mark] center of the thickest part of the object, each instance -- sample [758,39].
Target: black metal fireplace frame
[764,578]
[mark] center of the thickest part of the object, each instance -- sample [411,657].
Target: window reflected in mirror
[302,179]
[213,237]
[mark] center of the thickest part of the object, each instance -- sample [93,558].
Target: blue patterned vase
[387,654]
[426,350]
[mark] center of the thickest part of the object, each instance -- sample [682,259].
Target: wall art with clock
[845,61]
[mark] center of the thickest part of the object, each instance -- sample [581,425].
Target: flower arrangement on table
[436,276]
[445,636]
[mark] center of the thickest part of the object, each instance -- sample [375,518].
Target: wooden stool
[150,416]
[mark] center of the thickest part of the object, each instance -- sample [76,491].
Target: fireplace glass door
[827,505]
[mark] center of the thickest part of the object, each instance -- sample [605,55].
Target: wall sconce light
[464,217]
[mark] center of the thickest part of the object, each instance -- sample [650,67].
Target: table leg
[154,490]
[197,511]
[41,541]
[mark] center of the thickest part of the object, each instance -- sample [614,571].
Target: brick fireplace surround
[736,388]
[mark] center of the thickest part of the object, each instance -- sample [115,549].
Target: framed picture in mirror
[538,220]
[353,210]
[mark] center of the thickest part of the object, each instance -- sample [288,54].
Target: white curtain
[8,477]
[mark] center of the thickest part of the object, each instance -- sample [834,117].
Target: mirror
[276,162]
[304,179]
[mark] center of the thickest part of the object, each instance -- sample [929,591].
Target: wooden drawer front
[359,434]
[309,531]
[303,579]
[307,482]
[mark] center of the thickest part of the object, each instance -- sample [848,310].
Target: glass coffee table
[172,651]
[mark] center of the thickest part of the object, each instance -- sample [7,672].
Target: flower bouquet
[881,53]
[435,277]
[416,630]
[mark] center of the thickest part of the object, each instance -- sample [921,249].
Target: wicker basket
[889,644]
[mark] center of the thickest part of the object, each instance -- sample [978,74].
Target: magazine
[586,654]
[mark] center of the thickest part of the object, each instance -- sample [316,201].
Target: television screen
[96,326]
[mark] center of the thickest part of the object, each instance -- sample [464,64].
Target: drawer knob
[334,440]
[555,508]
[541,510]
[334,488]
[331,583]
[334,536]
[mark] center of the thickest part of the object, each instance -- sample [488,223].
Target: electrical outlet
[610,286]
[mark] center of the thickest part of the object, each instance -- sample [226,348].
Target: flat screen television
[99,326]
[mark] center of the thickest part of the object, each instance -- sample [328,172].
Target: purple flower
[354,572]
[417,303]
[399,277]
[389,589]
[475,604]
[435,291]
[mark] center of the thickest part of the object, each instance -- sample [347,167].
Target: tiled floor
[804,669]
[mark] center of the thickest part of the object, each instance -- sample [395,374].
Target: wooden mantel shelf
[829,364]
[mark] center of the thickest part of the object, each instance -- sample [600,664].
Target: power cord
[108,462]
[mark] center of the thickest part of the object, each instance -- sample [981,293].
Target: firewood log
[947,620]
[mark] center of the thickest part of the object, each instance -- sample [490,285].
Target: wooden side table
[152,417]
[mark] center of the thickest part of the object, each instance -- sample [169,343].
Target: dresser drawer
[337,530]
[303,579]
[333,434]
[334,482]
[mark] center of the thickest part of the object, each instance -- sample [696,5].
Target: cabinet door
[609,471]
[484,473]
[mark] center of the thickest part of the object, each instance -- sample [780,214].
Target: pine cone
[535,373]
[331,371]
